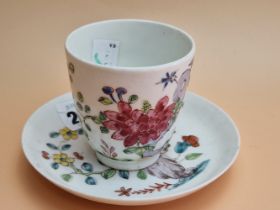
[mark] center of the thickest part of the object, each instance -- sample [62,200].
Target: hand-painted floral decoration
[135,127]
[138,128]
[67,134]
[59,152]
[169,78]
[63,159]
[71,69]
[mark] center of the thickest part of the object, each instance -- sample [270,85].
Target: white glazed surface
[219,143]
[143,43]
[149,51]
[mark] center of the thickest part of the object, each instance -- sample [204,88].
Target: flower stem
[87,117]
[79,171]
[112,97]
[59,146]
[91,173]
[76,170]
[180,160]
[178,157]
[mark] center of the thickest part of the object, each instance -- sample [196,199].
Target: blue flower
[121,91]
[108,90]
[90,180]
[170,78]
[181,147]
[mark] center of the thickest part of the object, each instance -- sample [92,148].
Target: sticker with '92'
[105,52]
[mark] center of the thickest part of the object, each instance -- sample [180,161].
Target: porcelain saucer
[204,145]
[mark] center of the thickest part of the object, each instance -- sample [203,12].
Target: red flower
[123,191]
[192,140]
[78,156]
[45,155]
[132,126]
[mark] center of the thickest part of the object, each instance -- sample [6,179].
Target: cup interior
[142,43]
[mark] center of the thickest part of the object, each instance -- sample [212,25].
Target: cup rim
[187,56]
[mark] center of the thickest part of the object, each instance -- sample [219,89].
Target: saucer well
[204,145]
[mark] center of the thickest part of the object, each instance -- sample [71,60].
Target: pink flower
[132,126]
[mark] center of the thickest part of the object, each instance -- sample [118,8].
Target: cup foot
[127,165]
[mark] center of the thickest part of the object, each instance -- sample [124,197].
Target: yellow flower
[63,159]
[68,134]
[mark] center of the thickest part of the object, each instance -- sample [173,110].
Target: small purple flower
[109,91]
[170,78]
[121,91]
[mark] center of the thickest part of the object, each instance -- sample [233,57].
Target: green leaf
[71,68]
[102,116]
[96,120]
[146,106]
[130,150]
[52,146]
[87,167]
[97,59]
[132,99]
[107,174]
[81,131]
[179,104]
[90,180]
[105,100]
[79,105]
[88,127]
[104,129]
[138,150]
[54,134]
[65,147]
[66,177]
[141,174]
[193,156]
[87,109]
[149,148]
[80,97]
[124,174]
[55,165]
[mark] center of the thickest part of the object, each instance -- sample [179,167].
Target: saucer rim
[137,200]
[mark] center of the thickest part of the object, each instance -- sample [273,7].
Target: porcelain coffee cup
[128,80]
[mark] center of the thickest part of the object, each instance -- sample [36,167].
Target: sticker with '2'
[68,114]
